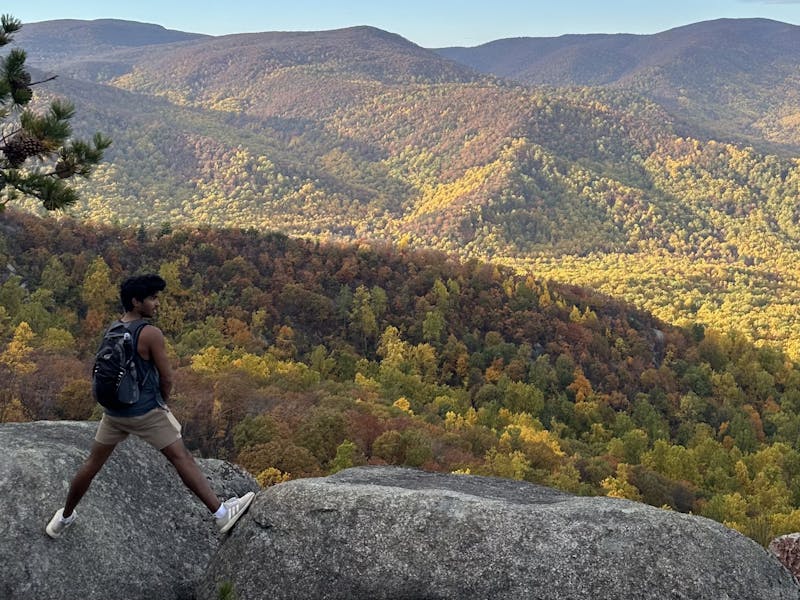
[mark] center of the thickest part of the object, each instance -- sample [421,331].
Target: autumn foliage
[297,358]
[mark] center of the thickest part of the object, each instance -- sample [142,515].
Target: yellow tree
[15,363]
[17,355]
[97,293]
[619,486]
[170,312]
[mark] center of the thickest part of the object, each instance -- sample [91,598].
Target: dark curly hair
[139,287]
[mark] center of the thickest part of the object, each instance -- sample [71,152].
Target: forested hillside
[298,358]
[359,134]
[729,79]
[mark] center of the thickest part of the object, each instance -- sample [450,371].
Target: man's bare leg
[190,474]
[83,478]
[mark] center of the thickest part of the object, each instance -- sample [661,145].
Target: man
[149,418]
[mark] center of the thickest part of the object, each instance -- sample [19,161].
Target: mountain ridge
[688,69]
[728,79]
[46,40]
[642,44]
[49,42]
[384,140]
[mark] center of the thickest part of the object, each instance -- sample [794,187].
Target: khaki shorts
[158,428]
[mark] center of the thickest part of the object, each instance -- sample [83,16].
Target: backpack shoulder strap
[135,329]
[108,330]
[116,324]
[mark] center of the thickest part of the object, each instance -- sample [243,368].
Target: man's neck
[131,316]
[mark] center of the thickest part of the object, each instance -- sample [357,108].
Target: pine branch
[53,193]
[53,128]
[80,158]
[42,136]
[8,25]
[17,79]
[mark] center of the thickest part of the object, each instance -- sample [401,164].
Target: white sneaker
[236,508]
[58,525]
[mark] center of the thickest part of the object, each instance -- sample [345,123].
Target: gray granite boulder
[140,533]
[377,533]
[364,533]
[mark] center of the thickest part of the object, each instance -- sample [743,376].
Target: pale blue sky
[428,23]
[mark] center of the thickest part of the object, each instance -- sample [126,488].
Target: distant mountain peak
[80,37]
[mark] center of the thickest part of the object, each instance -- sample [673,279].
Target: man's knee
[99,455]
[176,451]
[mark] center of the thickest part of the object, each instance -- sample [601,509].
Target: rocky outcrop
[365,533]
[140,534]
[372,533]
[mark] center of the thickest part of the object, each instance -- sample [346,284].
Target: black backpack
[115,378]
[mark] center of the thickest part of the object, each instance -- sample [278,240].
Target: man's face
[148,306]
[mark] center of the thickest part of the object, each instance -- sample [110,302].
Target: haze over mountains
[589,158]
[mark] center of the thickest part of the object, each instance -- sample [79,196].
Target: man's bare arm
[151,340]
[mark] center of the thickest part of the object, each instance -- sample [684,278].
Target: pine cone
[21,147]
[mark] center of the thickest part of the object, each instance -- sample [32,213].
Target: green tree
[347,455]
[38,151]
[433,326]
[12,296]
[322,433]
[37,310]
[362,316]
[250,431]
[55,279]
